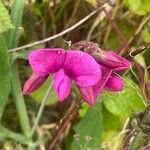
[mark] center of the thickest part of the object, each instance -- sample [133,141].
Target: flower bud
[33,83]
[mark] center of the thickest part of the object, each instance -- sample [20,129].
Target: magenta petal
[90,93]
[82,68]
[114,83]
[87,94]
[46,61]
[33,83]
[62,85]
[112,60]
[98,87]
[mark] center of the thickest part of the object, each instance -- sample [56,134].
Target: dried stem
[143,22]
[113,17]
[57,138]
[116,28]
[63,32]
[73,13]
[138,50]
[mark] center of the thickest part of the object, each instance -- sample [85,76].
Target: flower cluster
[91,72]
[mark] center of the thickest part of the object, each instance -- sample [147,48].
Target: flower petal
[98,87]
[111,60]
[33,83]
[90,93]
[82,68]
[108,59]
[46,61]
[62,85]
[114,83]
[87,94]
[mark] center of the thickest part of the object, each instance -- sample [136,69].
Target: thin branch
[77,4]
[118,31]
[115,26]
[139,50]
[41,109]
[138,30]
[143,22]
[114,12]
[57,138]
[63,32]
[97,21]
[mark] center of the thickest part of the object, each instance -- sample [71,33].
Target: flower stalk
[41,109]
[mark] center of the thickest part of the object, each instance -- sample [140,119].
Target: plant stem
[13,38]
[19,101]
[41,109]
[16,18]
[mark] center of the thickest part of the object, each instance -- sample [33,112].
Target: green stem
[5,133]
[13,38]
[41,109]
[16,18]
[19,101]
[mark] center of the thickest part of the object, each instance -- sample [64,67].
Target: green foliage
[89,126]
[141,7]
[124,103]
[4,75]
[83,109]
[92,2]
[104,122]
[111,127]
[5,22]
[5,133]
[113,41]
[146,35]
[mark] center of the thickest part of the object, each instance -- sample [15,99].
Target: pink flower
[66,66]
[109,62]
[91,76]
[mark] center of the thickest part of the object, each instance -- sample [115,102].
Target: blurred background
[118,120]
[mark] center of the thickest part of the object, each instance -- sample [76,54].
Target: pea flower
[66,66]
[109,62]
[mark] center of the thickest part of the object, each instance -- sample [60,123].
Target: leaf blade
[4,75]
[90,126]
[5,22]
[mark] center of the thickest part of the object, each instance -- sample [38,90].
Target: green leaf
[4,75]
[140,7]
[5,22]
[146,35]
[93,2]
[83,109]
[5,133]
[113,41]
[123,104]
[133,5]
[89,126]
[112,127]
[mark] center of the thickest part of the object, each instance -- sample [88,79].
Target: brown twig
[57,138]
[143,22]
[116,28]
[128,140]
[63,32]
[138,50]
[73,13]
[114,12]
